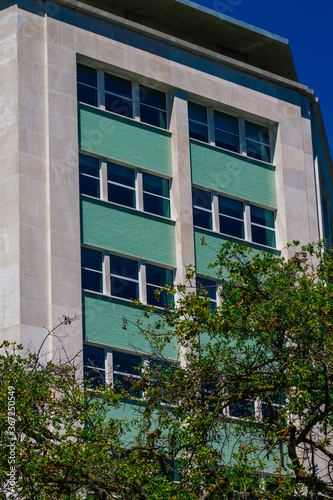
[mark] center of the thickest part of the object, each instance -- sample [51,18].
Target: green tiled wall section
[232,174]
[205,255]
[127,231]
[103,320]
[126,140]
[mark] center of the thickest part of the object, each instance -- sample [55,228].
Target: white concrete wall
[9,179]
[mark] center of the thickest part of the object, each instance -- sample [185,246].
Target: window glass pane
[86,95]
[226,141]
[86,85]
[202,198]
[91,262]
[258,151]
[241,409]
[156,185]
[91,281]
[120,174]
[155,205]
[126,363]
[89,165]
[199,132]
[158,275]
[202,219]
[93,356]
[86,75]
[225,122]
[231,227]
[124,267]
[257,132]
[91,259]
[96,378]
[118,86]
[197,113]
[89,175]
[121,195]
[89,186]
[263,236]
[209,286]
[152,97]
[262,216]
[234,208]
[123,288]
[269,412]
[118,105]
[163,300]
[153,116]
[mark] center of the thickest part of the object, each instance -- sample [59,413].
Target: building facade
[129,131]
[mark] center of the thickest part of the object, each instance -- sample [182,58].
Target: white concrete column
[139,190]
[247,222]
[103,179]
[106,273]
[181,195]
[215,213]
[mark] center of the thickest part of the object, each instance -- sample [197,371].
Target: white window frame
[242,138]
[135,92]
[138,185]
[246,218]
[141,281]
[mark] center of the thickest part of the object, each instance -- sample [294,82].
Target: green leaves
[245,410]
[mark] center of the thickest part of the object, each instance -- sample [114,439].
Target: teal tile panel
[103,321]
[124,139]
[128,231]
[205,255]
[233,174]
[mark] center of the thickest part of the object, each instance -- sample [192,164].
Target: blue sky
[307,24]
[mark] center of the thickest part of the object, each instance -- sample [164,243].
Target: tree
[253,394]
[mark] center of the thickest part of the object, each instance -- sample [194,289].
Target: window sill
[240,240]
[239,155]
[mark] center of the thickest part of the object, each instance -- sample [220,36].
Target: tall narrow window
[94,365]
[91,264]
[257,142]
[262,226]
[126,372]
[198,125]
[89,175]
[226,131]
[121,185]
[231,217]
[152,107]
[124,277]
[157,278]
[156,198]
[202,208]
[118,95]
[207,288]
[86,85]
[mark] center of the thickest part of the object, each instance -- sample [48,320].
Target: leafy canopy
[251,395]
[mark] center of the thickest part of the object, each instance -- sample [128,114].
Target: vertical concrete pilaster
[181,184]
[9,179]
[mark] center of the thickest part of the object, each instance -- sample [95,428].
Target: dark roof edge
[190,47]
[234,21]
